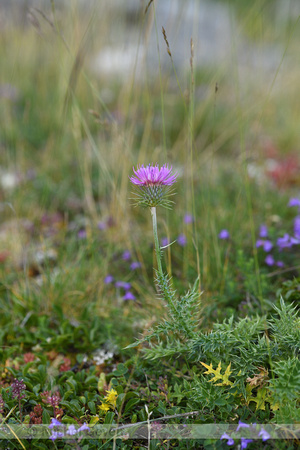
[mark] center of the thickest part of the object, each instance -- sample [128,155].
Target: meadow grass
[69,139]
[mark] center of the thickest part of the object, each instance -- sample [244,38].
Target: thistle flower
[153,185]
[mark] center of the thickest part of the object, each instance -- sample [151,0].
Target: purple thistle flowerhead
[153,185]
[17,388]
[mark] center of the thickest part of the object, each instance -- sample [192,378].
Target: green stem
[156,243]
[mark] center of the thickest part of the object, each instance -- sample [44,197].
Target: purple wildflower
[129,296]
[297,227]
[71,430]
[54,423]
[102,226]
[153,176]
[56,435]
[280,264]
[242,425]
[126,255]
[81,234]
[294,202]
[84,427]
[17,388]
[266,244]
[108,279]
[224,234]
[263,231]
[230,441]
[135,265]
[264,434]
[188,218]
[182,240]
[1,404]
[164,242]
[245,442]
[284,241]
[270,260]
[123,285]
[153,185]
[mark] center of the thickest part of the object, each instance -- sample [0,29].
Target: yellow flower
[111,398]
[104,407]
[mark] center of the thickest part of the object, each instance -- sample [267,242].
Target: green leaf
[92,407]
[46,417]
[130,404]
[120,370]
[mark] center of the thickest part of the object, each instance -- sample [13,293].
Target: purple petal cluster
[224,234]
[181,240]
[153,176]
[18,387]
[252,428]
[71,431]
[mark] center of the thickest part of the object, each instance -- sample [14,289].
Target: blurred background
[90,88]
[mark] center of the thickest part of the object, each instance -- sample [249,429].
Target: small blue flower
[129,296]
[224,234]
[123,284]
[108,279]
[264,434]
[135,265]
[164,242]
[294,202]
[188,218]
[230,441]
[181,240]
[242,425]
[266,244]
[126,255]
[54,423]
[284,242]
[270,260]
[56,435]
[84,427]
[245,442]
[263,231]
[71,430]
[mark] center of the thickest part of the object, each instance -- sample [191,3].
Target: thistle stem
[156,242]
